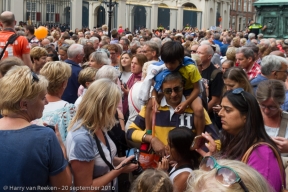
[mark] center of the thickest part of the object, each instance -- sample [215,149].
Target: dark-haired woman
[179,143]
[243,126]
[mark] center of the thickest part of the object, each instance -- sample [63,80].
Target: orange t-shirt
[19,47]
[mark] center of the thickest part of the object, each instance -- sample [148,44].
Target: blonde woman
[57,111]
[38,56]
[211,177]
[90,150]
[30,155]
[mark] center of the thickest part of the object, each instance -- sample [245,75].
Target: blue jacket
[254,82]
[70,94]
[159,78]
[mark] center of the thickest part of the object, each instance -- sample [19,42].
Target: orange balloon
[41,32]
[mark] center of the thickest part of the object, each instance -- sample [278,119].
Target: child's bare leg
[199,118]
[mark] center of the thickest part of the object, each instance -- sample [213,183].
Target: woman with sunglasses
[179,143]
[242,127]
[271,95]
[30,155]
[223,175]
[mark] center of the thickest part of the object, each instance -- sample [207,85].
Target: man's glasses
[34,77]
[270,108]
[225,175]
[168,91]
[193,51]
[238,91]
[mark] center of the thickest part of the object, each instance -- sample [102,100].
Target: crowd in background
[73,103]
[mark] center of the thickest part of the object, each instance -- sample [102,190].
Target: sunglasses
[168,91]
[238,91]
[34,77]
[225,175]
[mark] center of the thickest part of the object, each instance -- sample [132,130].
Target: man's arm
[214,101]
[27,60]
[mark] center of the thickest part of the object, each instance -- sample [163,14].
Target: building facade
[134,14]
[242,12]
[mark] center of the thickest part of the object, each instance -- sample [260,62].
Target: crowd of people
[210,105]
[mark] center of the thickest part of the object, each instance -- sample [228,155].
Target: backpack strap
[283,124]
[11,40]
[214,74]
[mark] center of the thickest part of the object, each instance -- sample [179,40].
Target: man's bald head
[7,18]
[208,49]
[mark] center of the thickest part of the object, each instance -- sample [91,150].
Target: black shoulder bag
[101,152]
[10,41]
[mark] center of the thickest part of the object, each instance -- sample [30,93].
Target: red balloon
[41,32]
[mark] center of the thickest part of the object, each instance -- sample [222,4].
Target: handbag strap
[279,160]
[283,124]
[101,152]
[132,100]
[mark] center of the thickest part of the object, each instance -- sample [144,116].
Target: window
[31,11]
[249,5]
[245,6]
[233,5]
[239,5]
[50,12]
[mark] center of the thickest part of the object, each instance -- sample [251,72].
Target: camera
[135,160]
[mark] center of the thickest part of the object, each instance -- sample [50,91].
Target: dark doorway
[85,16]
[100,16]
[67,14]
[190,18]
[139,17]
[163,17]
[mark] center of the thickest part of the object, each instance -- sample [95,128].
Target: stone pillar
[199,18]
[131,16]
[121,13]
[76,14]
[180,17]
[17,10]
[173,19]
[154,16]
[43,13]
[148,17]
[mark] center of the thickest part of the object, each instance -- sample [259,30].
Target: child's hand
[163,164]
[181,108]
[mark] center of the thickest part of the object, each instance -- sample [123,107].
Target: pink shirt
[263,160]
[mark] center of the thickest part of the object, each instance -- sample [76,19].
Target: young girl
[179,144]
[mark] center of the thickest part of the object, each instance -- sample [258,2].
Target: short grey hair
[216,36]
[205,42]
[93,39]
[135,43]
[166,39]
[153,45]
[156,40]
[74,50]
[272,63]
[260,35]
[265,42]
[251,36]
[247,52]
[100,57]
[108,71]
